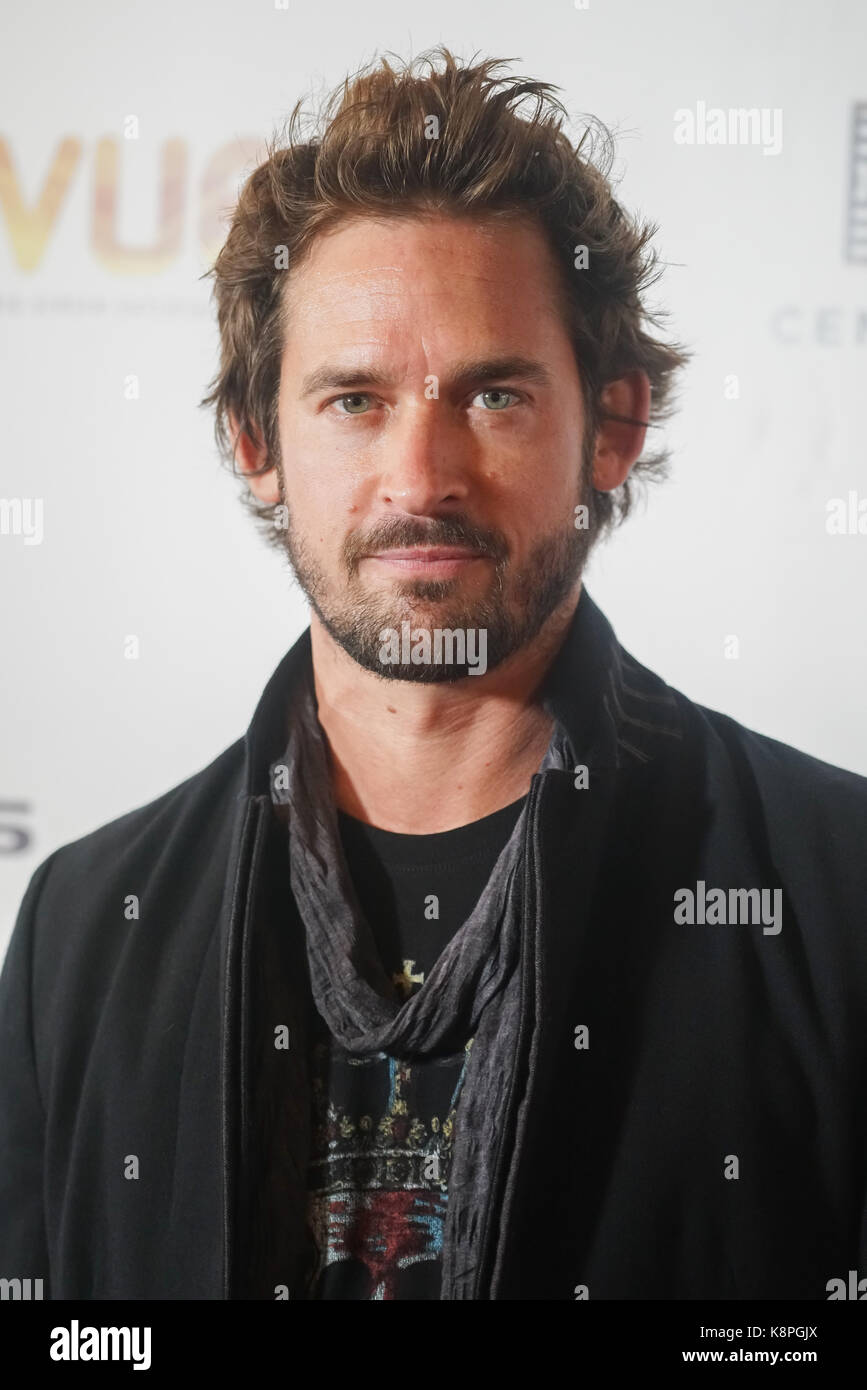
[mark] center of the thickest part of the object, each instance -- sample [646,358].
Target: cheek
[327,470]
[325,509]
[533,483]
[554,469]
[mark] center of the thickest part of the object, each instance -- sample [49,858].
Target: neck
[418,759]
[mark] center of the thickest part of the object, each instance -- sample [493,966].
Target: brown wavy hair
[367,150]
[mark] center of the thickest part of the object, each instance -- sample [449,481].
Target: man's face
[429,397]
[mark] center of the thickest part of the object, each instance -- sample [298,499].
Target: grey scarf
[473,990]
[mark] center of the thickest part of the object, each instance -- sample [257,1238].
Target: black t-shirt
[383,1128]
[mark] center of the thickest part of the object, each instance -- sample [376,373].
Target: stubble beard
[512,612]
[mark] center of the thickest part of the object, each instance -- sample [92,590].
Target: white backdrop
[142,533]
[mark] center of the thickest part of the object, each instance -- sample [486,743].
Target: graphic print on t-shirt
[383,1128]
[379,1176]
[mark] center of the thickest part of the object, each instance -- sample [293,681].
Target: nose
[426,460]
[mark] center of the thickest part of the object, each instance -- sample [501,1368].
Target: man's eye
[498,398]
[357,398]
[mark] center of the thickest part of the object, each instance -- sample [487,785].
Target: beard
[511,613]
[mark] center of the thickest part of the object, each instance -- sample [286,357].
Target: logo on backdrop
[188,213]
[837,325]
[856,211]
[15,836]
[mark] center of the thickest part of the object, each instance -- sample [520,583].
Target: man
[486,965]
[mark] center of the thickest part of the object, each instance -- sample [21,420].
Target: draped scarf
[473,991]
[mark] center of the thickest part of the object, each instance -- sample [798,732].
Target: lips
[427,553]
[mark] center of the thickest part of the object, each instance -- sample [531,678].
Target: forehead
[435,275]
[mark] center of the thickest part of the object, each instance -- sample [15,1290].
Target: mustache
[405,532]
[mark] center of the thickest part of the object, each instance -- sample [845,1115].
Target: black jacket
[709,1141]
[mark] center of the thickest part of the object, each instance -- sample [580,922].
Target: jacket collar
[268,732]
[614,711]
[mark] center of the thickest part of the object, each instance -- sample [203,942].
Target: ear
[619,441]
[250,457]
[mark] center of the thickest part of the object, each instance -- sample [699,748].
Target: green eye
[502,398]
[356,397]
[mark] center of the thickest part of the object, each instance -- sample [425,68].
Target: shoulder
[762,766]
[811,814]
[783,768]
[182,834]
[178,812]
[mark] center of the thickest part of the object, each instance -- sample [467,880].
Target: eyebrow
[348,377]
